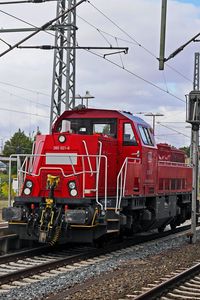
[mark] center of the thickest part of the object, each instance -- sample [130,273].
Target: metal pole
[154,121]
[195,88]
[194,154]
[195,158]
[162,34]
[154,115]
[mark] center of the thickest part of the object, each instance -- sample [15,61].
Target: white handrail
[173,163]
[121,181]
[125,173]
[89,162]
[118,178]
[9,183]
[73,169]
[83,164]
[97,177]
[24,171]
[35,150]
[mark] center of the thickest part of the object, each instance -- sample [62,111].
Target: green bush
[4,187]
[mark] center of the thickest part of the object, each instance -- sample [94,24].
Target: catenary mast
[63,82]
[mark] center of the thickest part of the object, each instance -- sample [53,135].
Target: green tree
[186,150]
[18,144]
[106,129]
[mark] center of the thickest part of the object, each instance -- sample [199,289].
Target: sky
[130,82]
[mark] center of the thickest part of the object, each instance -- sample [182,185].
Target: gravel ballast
[121,274]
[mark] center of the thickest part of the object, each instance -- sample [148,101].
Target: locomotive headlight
[72,188]
[72,185]
[73,193]
[62,138]
[29,184]
[27,191]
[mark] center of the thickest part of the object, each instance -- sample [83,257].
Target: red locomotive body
[99,173]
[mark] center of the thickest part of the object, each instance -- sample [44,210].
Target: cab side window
[128,135]
[146,136]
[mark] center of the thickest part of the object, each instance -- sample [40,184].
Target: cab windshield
[92,126]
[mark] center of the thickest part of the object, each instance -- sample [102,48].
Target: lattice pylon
[64,66]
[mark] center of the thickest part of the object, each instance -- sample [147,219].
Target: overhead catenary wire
[133,39]
[125,69]
[24,1]
[17,18]
[173,130]
[23,112]
[121,29]
[6,43]
[133,43]
[101,31]
[165,81]
[25,89]
[179,73]
[137,76]
[183,122]
[119,54]
[166,134]
[43,27]
[106,33]
[23,98]
[25,22]
[122,67]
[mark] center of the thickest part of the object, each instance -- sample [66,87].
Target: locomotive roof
[100,113]
[134,118]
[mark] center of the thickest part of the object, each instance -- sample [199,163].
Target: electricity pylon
[64,66]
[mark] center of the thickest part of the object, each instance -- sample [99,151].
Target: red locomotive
[99,173]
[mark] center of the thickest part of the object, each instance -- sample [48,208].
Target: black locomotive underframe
[141,206]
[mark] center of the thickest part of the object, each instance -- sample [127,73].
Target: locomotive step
[110,214]
[113,222]
[112,230]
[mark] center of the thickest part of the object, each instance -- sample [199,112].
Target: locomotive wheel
[161,229]
[100,243]
[173,225]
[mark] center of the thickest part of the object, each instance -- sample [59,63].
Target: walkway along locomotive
[98,174]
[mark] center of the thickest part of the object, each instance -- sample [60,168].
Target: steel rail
[18,254]
[163,288]
[46,266]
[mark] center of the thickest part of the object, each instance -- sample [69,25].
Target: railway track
[25,268]
[182,284]
[47,264]
[3,225]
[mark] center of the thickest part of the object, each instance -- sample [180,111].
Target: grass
[3,203]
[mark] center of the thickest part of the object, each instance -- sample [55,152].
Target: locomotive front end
[62,190]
